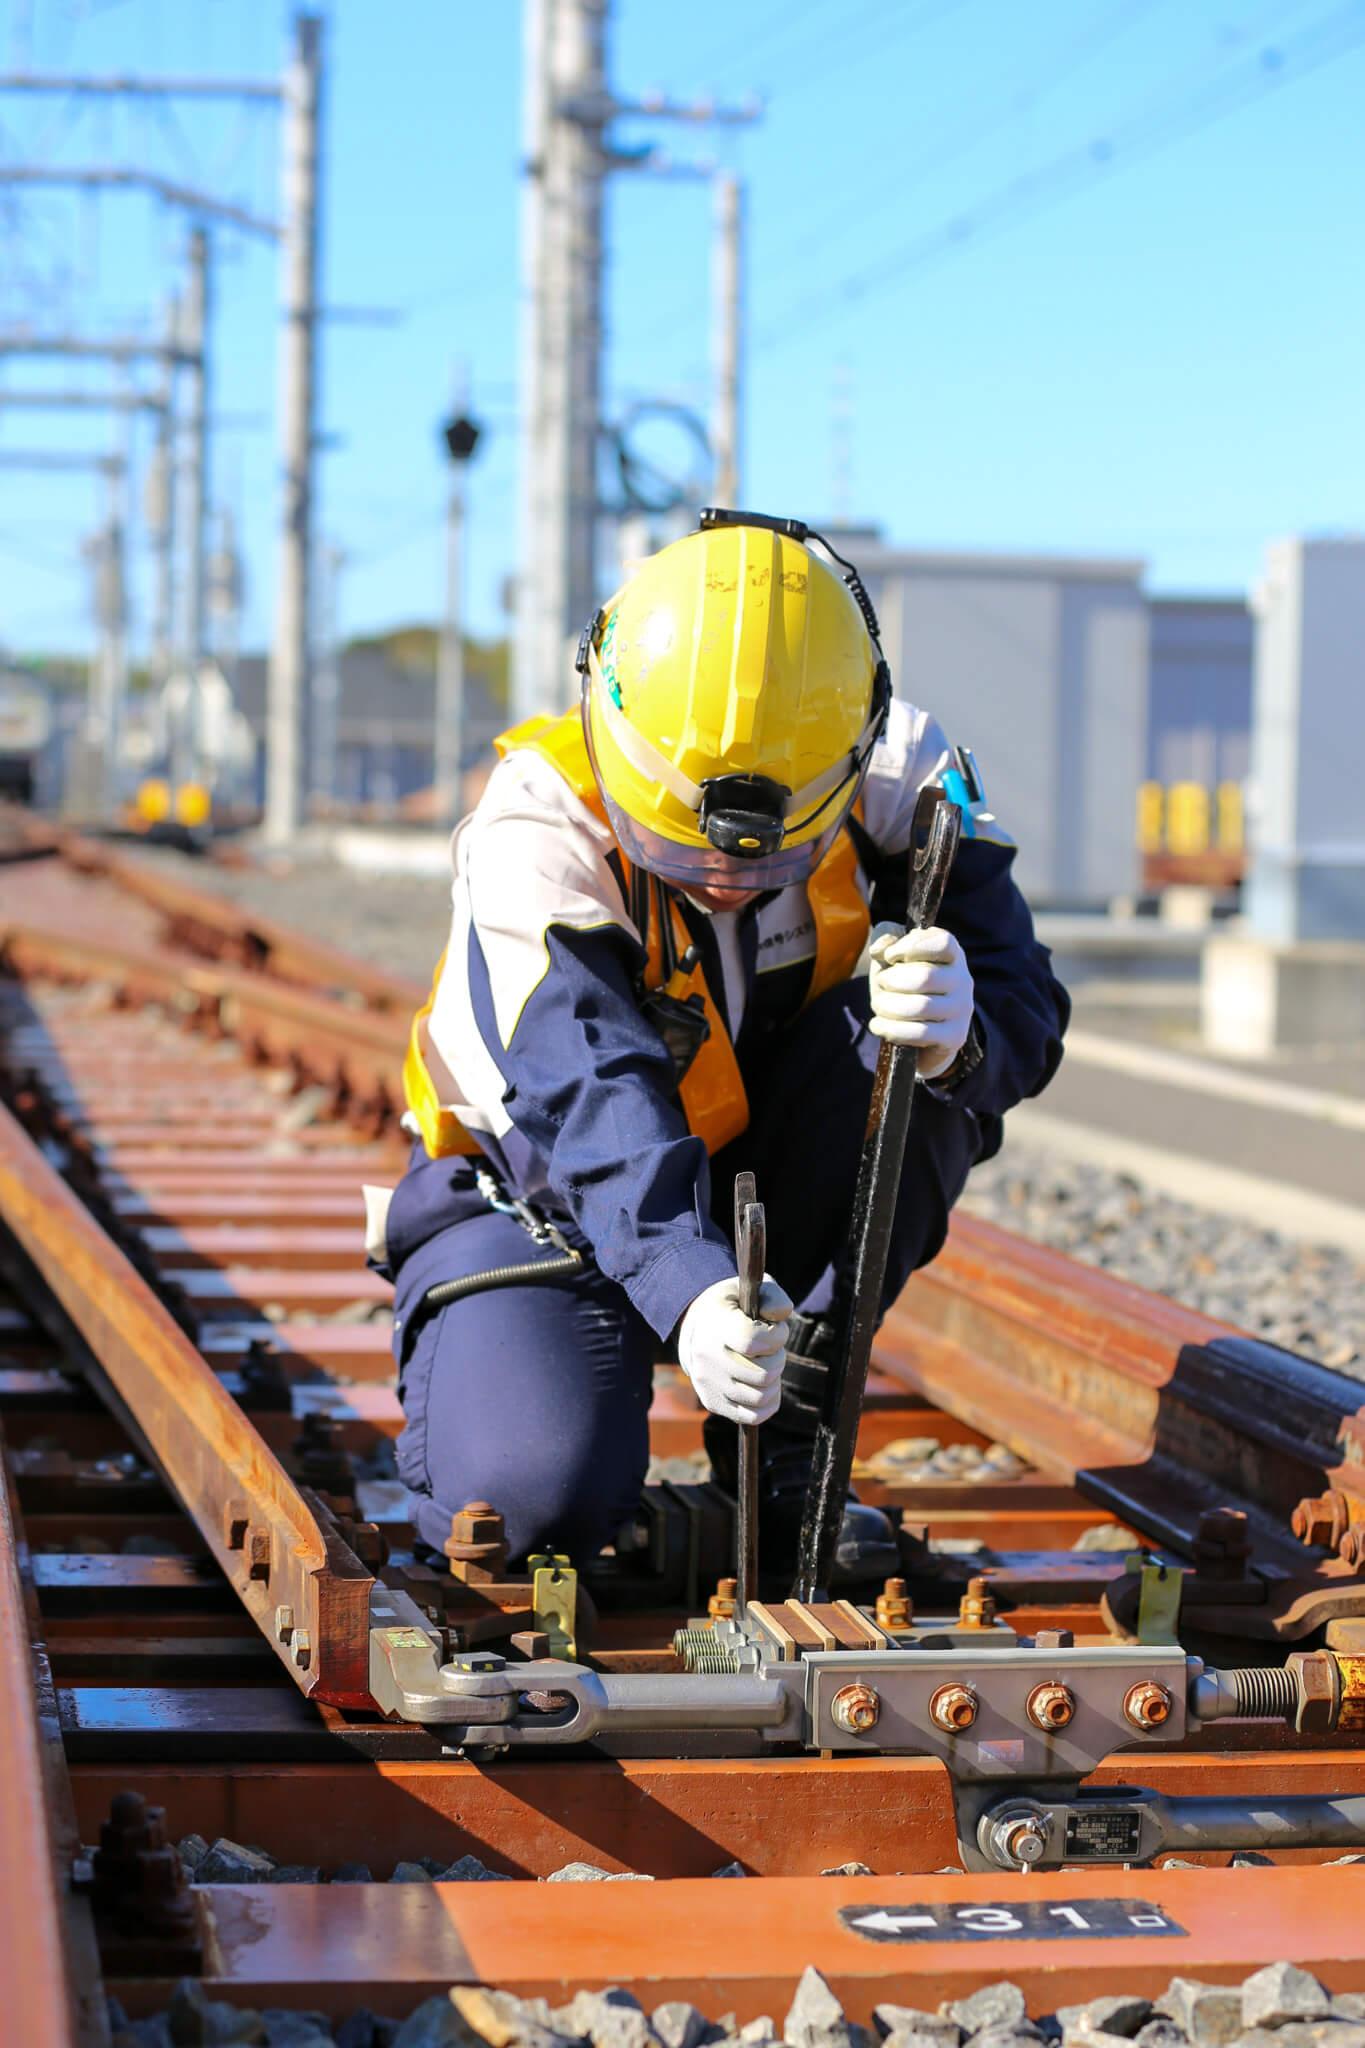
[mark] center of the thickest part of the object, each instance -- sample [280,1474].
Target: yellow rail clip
[554,1597]
[1159,1601]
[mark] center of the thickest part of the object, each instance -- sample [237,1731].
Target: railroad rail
[1131,1622]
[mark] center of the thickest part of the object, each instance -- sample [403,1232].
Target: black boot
[867,1548]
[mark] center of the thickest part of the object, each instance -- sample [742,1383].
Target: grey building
[1040,666]
[385,724]
[1199,690]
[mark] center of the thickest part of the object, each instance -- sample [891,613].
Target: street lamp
[460,434]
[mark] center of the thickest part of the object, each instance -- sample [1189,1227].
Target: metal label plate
[1104,1834]
[1033,1920]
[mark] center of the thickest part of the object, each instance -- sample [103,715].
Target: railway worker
[657,975]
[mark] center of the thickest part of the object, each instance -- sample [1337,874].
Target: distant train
[27,732]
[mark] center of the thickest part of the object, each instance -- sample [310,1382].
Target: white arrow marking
[892,1923]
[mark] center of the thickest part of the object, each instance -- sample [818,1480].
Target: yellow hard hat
[732,693]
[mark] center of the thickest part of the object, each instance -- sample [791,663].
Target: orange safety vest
[712,1090]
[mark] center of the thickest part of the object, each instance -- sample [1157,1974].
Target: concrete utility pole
[226,585]
[160,510]
[325,692]
[186,753]
[450,665]
[566,101]
[111,611]
[288,678]
[567,106]
[728,305]
[461,436]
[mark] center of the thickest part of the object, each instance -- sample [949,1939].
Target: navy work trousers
[536,1398]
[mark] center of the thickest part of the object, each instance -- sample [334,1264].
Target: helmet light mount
[743,815]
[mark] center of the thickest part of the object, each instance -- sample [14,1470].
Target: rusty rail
[356,1052]
[1151,1409]
[1144,1407]
[214,928]
[45,1933]
[306,1591]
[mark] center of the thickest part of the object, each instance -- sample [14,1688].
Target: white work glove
[922,994]
[735,1363]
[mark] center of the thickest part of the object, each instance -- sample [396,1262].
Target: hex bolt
[721,1605]
[1322,1519]
[303,1648]
[1222,1544]
[477,1543]
[139,1882]
[1147,1705]
[1050,1706]
[893,1606]
[977,1608]
[855,1709]
[284,1624]
[1317,1685]
[369,1544]
[1054,1639]
[953,1708]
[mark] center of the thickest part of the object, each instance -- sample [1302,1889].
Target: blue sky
[1087,272]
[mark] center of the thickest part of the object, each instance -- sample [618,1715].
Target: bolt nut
[722,1602]
[953,1708]
[284,1624]
[1016,1839]
[893,1605]
[1054,1639]
[1147,1705]
[1051,1706]
[1351,1548]
[855,1709]
[1322,1519]
[303,1648]
[1317,1685]
[477,1522]
[977,1608]
[1025,1841]
[236,1521]
[258,1551]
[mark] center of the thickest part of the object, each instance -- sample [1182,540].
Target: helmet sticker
[607,662]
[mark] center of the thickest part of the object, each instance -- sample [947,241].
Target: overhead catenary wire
[1073,170]
[1072,57]
[907,20]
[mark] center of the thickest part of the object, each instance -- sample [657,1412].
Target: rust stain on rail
[1151,1409]
[247,1509]
[42,2003]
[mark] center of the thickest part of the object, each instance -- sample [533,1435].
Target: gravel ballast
[1280,2006]
[1308,1298]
